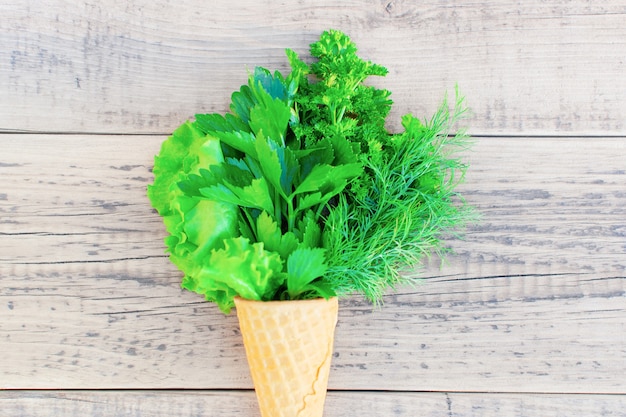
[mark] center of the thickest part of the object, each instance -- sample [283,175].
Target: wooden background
[528,319]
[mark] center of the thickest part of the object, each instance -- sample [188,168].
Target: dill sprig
[397,212]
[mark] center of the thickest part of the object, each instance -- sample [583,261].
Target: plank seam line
[474,392]
[330,390]
[60,133]
[547,275]
[557,274]
[473,135]
[546,136]
[95,261]
[95,233]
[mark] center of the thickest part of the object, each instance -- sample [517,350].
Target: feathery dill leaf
[398,210]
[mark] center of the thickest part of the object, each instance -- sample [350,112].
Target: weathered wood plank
[548,205]
[243,403]
[526,68]
[528,334]
[534,302]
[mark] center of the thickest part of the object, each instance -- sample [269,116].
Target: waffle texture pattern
[289,345]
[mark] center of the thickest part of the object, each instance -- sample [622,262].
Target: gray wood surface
[338,404]
[143,66]
[527,319]
[532,302]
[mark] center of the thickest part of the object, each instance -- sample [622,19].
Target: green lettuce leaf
[195,225]
[179,155]
[240,268]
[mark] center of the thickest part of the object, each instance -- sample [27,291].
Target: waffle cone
[289,345]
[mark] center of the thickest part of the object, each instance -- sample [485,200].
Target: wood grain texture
[533,302]
[143,67]
[243,404]
[527,319]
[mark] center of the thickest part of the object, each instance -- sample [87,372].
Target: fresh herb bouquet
[300,191]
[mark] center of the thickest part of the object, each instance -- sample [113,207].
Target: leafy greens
[301,192]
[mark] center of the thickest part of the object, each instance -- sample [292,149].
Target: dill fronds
[397,212]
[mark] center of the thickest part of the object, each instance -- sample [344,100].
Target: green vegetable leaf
[218,292]
[270,116]
[303,267]
[273,84]
[271,236]
[207,224]
[321,154]
[279,164]
[179,155]
[245,99]
[196,226]
[344,150]
[321,288]
[201,226]
[247,269]
[309,231]
[218,123]
[297,76]
[396,212]
[255,195]
[311,200]
[328,179]
[230,182]
[241,103]
[240,140]
[338,61]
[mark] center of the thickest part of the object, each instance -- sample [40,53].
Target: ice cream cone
[289,346]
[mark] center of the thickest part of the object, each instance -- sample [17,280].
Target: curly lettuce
[196,225]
